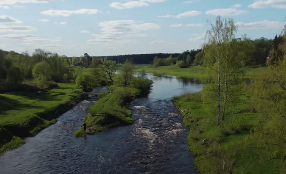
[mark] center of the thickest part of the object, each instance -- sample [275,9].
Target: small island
[112,108]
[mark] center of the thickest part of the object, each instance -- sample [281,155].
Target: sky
[116,27]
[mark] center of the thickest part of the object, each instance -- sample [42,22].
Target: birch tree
[224,57]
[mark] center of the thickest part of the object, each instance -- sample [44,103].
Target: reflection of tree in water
[188,81]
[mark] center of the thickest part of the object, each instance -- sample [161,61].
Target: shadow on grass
[7,104]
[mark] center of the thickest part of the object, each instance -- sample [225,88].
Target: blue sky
[114,27]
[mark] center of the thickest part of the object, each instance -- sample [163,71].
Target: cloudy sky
[113,27]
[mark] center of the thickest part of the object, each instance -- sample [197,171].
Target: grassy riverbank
[26,114]
[197,72]
[112,109]
[231,148]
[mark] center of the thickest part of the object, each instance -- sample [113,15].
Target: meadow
[198,72]
[24,114]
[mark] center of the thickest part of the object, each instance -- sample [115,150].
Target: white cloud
[159,42]
[181,15]
[84,31]
[265,24]
[44,20]
[12,2]
[69,12]
[188,14]
[18,36]
[8,19]
[165,16]
[269,3]
[236,5]
[133,4]
[128,5]
[176,25]
[61,23]
[194,25]
[30,39]
[189,2]
[16,28]
[226,12]
[122,31]
[5,7]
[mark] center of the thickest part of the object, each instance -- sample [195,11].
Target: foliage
[180,63]
[108,67]
[42,69]
[86,81]
[14,75]
[224,56]
[127,72]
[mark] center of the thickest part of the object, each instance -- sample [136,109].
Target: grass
[112,109]
[230,148]
[26,114]
[197,72]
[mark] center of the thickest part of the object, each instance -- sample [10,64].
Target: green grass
[112,109]
[228,148]
[197,72]
[26,114]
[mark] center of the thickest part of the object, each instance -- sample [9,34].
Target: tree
[269,98]
[108,67]
[95,63]
[189,61]
[127,72]
[225,56]
[14,75]
[86,81]
[42,69]
[199,58]
[169,60]
[88,59]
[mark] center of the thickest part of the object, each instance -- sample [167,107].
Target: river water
[154,144]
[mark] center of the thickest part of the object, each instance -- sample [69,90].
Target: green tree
[169,60]
[42,69]
[127,72]
[199,58]
[86,81]
[189,59]
[224,56]
[14,75]
[108,67]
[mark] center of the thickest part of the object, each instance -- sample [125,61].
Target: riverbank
[231,148]
[197,72]
[112,109]
[26,114]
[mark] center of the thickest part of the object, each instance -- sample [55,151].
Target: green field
[25,114]
[230,148]
[198,72]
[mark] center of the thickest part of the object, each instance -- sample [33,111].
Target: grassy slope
[231,146]
[25,114]
[191,72]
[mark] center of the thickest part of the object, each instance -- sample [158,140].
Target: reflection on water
[154,144]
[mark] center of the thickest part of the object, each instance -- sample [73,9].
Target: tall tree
[224,56]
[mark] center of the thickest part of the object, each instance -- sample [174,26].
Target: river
[156,143]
